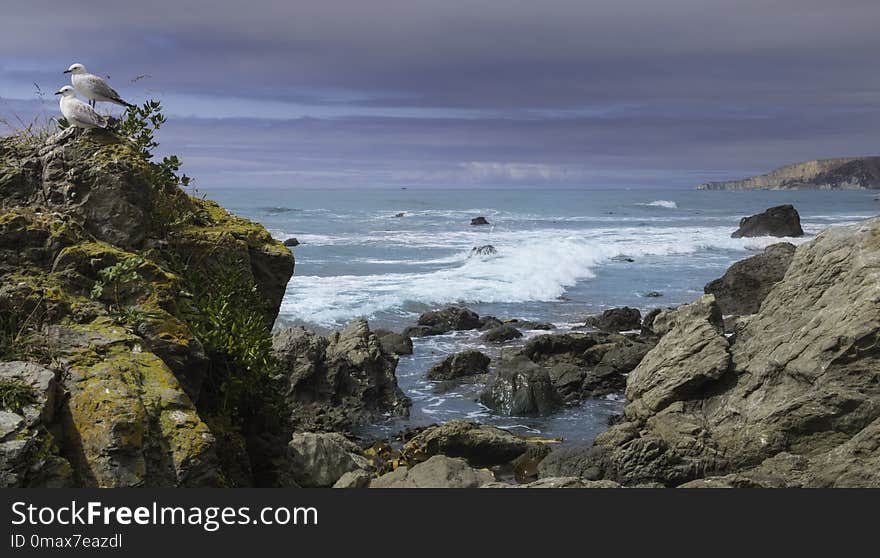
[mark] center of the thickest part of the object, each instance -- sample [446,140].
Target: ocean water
[562,255]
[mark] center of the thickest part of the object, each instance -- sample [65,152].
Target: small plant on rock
[15,395]
[117,278]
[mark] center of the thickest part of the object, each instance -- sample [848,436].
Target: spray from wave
[660,203]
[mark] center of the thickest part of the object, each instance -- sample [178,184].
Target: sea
[560,256]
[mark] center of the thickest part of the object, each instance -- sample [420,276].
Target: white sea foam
[661,203]
[530,266]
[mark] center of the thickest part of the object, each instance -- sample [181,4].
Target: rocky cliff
[851,173]
[134,323]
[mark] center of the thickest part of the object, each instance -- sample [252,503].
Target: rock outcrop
[320,459]
[794,401]
[501,334]
[437,472]
[846,173]
[782,220]
[394,343]
[103,267]
[617,319]
[746,283]
[438,322]
[481,445]
[338,382]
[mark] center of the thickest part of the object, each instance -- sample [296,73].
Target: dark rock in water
[588,463]
[617,319]
[422,331]
[394,343]
[489,322]
[291,242]
[466,363]
[340,381]
[401,214]
[530,325]
[479,221]
[648,322]
[653,294]
[782,220]
[486,250]
[746,283]
[501,334]
[522,388]
[623,258]
[480,444]
[452,318]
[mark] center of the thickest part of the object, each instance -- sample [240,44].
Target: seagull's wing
[98,86]
[85,114]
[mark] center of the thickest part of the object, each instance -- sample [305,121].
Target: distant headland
[845,173]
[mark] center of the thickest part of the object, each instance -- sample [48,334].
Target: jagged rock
[481,445]
[437,472]
[489,322]
[648,322]
[617,319]
[394,343]
[557,482]
[501,334]
[746,283]
[525,467]
[339,381]
[479,221]
[466,363]
[781,220]
[795,401]
[452,318]
[588,463]
[292,241]
[487,250]
[26,456]
[320,459]
[521,388]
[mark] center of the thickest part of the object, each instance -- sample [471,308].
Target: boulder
[481,445]
[521,388]
[746,283]
[437,472]
[354,479]
[557,482]
[530,325]
[292,241]
[525,467]
[476,221]
[394,343]
[340,381]
[466,363]
[781,220]
[501,334]
[588,463]
[489,322]
[617,319]
[320,459]
[452,318]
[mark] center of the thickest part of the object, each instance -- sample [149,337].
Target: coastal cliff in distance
[845,173]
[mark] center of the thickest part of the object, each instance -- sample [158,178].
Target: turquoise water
[561,256]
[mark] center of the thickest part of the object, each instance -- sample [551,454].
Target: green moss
[15,395]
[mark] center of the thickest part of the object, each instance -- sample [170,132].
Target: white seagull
[93,87]
[77,112]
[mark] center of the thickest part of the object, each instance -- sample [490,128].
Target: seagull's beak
[66,71]
[58,92]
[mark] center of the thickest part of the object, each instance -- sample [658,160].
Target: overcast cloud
[387,92]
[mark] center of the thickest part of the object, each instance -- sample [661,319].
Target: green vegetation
[15,395]
[117,278]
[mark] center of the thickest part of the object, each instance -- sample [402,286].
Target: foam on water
[661,203]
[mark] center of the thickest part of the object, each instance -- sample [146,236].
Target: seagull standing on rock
[77,113]
[93,87]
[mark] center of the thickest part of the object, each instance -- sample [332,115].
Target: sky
[468,93]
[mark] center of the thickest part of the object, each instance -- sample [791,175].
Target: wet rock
[746,283]
[452,318]
[648,322]
[437,472]
[292,241]
[489,322]
[530,325]
[653,294]
[521,388]
[525,467]
[487,250]
[617,319]
[399,215]
[782,220]
[394,343]
[466,363]
[339,381]
[479,221]
[501,334]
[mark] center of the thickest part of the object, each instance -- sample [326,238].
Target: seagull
[77,112]
[93,87]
